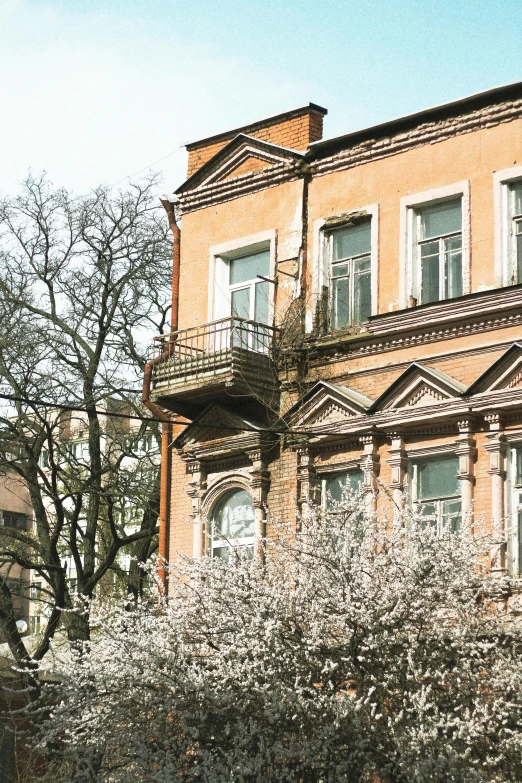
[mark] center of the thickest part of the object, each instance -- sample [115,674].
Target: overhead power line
[327,430]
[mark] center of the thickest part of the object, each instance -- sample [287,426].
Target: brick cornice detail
[425,133]
[356,155]
[493,310]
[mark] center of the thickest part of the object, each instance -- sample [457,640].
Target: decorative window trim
[513,533]
[502,181]
[221,487]
[217,270]
[426,452]
[321,260]
[408,206]
[338,467]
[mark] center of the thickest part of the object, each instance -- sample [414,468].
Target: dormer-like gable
[217,428]
[504,373]
[243,155]
[417,387]
[325,406]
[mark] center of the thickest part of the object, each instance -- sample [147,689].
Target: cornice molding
[353,155]
[422,134]
[244,185]
[475,314]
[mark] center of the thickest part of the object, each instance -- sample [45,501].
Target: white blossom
[361,650]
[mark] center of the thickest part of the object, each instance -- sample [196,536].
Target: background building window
[334,485]
[439,243]
[350,275]
[232,524]
[436,491]
[14,519]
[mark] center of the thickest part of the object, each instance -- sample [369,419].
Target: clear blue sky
[94,91]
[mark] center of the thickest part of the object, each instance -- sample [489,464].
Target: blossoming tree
[362,649]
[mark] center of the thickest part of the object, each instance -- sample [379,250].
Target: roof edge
[479,98]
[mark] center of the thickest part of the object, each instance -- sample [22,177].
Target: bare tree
[84,282]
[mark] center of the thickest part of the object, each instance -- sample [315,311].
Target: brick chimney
[294,129]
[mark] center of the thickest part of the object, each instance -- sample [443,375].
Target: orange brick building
[350,312]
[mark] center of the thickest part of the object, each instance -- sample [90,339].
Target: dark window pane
[438,478]
[352,241]
[340,302]
[7,752]
[241,303]
[261,303]
[451,515]
[248,267]
[519,256]
[440,219]
[453,267]
[339,270]
[428,512]
[334,485]
[14,519]
[519,466]
[362,294]
[430,264]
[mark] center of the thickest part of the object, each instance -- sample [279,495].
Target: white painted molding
[218,302]
[408,245]
[501,181]
[320,260]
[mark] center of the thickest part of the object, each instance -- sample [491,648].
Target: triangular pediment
[326,405]
[418,387]
[243,155]
[504,373]
[215,423]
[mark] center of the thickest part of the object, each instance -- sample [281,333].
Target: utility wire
[327,430]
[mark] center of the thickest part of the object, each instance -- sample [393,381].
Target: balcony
[215,362]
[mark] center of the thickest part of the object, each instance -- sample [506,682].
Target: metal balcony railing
[231,350]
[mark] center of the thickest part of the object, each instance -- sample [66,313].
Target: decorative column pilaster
[497,470]
[467,454]
[259,482]
[197,488]
[398,462]
[369,463]
[306,478]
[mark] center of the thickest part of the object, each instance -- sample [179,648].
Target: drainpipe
[166,434]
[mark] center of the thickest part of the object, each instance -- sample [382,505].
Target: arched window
[232,523]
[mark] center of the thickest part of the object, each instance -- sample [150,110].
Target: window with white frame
[334,485]
[438,251]
[349,252]
[232,524]
[515,539]
[515,231]
[243,292]
[436,492]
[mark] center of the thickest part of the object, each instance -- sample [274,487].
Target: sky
[97,91]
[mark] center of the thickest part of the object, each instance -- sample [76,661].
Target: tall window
[439,251]
[515,555]
[334,485]
[232,524]
[436,491]
[248,293]
[516,230]
[350,275]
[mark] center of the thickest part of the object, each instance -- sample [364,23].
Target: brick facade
[378,396]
